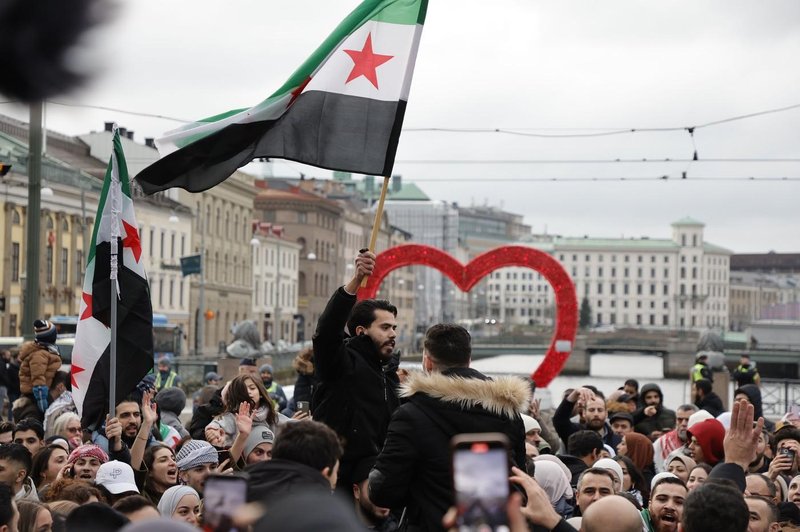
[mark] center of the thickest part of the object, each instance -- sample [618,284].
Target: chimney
[109,126]
[123,132]
[397,183]
[130,135]
[150,142]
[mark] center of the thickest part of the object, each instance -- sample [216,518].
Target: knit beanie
[45,332]
[710,434]
[88,450]
[171,400]
[195,453]
[258,435]
[265,367]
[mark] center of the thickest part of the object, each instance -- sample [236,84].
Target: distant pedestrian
[166,376]
[700,370]
[746,372]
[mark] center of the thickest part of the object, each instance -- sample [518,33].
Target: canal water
[608,372]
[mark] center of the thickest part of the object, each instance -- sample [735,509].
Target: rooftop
[687,220]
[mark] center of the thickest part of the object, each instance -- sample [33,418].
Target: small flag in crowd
[342,109]
[91,354]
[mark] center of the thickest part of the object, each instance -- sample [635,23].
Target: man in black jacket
[413,470]
[593,412]
[706,399]
[357,374]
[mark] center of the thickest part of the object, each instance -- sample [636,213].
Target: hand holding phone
[223,496]
[303,406]
[789,454]
[481,470]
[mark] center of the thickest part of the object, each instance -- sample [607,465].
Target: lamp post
[31,308]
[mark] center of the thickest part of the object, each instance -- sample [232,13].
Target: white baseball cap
[116,477]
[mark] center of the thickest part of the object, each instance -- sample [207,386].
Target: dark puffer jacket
[413,470]
[663,420]
[357,391]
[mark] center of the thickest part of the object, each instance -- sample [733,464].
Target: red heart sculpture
[465,277]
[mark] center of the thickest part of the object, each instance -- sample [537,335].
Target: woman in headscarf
[680,465]
[639,449]
[181,503]
[555,483]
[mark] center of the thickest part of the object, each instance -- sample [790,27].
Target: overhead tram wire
[599,161]
[601,179]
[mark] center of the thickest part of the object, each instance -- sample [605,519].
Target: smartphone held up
[481,469]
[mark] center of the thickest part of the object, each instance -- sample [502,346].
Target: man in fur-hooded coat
[450,398]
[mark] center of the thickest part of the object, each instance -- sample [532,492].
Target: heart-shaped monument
[465,277]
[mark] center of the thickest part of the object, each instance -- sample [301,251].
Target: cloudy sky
[555,71]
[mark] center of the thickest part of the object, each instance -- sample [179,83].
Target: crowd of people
[364,444]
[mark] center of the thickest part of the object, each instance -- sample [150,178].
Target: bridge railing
[778,396]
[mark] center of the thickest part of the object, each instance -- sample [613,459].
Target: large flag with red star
[91,354]
[342,109]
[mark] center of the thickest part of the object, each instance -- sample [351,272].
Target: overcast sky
[550,68]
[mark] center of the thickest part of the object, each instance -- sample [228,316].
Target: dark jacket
[357,391]
[276,478]
[204,415]
[566,428]
[664,418]
[753,394]
[575,465]
[414,470]
[745,374]
[711,403]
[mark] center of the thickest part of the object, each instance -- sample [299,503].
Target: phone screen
[223,495]
[480,475]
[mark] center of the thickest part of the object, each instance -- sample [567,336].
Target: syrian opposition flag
[341,110]
[91,354]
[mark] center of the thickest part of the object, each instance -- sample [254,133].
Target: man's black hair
[95,517]
[6,426]
[667,480]
[18,453]
[132,503]
[6,505]
[449,344]
[786,433]
[596,391]
[583,442]
[715,507]
[363,313]
[632,382]
[308,442]
[704,385]
[62,377]
[600,471]
[30,424]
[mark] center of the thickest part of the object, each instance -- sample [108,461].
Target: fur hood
[503,396]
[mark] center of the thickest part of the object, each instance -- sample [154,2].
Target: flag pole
[376,225]
[115,235]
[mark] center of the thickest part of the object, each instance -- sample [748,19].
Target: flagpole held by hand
[376,225]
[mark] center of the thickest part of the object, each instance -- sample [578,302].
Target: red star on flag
[132,240]
[87,312]
[365,62]
[295,93]
[74,371]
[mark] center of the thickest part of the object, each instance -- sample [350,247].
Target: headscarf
[552,480]
[709,435]
[88,450]
[557,461]
[640,450]
[171,497]
[613,466]
[195,453]
[687,462]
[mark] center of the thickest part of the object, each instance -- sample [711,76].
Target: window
[694,240]
[152,239]
[613,288]
[172,247]
[600,271]
[183,245]
[161,247]
[15,261]
[78,266]
[683,240]
[652,289]
[49,265]
[639,289]
[15,219]
[161,292]
[599,288]
[180,293]
[666,290]
[63,278]
[65,225]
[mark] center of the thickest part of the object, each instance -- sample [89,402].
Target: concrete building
[71,183]
[677,283]
[276,264]
[756,296]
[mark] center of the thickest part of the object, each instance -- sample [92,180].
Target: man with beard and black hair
[761,462]
[594,414]
[652,419]
[665,510]
[707,399]
[673,439]
[358,381]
